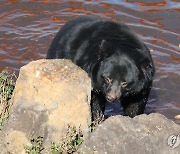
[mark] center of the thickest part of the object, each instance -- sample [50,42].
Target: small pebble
[177,117]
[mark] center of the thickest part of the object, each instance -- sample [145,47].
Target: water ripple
[27,28]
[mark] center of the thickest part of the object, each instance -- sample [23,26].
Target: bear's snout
[113,94]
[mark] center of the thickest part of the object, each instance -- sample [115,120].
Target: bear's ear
[104,45]
[147,69]
[104,49]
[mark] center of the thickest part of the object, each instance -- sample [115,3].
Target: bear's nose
[110,98]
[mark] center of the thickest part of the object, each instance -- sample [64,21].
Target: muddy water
[28,26]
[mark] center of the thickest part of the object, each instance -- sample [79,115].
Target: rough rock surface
[49,95]
[144,134]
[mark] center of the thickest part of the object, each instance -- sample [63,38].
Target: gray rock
[144,134]
[49,95]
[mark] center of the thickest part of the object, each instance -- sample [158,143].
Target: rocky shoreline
[51,94]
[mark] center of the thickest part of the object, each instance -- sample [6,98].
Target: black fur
[118,62]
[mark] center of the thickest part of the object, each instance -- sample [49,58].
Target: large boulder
[144,134]
[49,95]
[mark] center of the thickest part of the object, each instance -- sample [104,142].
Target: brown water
[28,26]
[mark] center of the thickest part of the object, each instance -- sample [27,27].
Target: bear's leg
[98,103]
[134,105]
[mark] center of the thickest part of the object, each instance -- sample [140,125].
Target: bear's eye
[108,80]
[123,84]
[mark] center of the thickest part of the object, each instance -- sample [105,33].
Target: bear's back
[85,32]
[80,38]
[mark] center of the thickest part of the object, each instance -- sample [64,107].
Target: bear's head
[120,74]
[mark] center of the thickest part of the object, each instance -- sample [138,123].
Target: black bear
[118,62]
